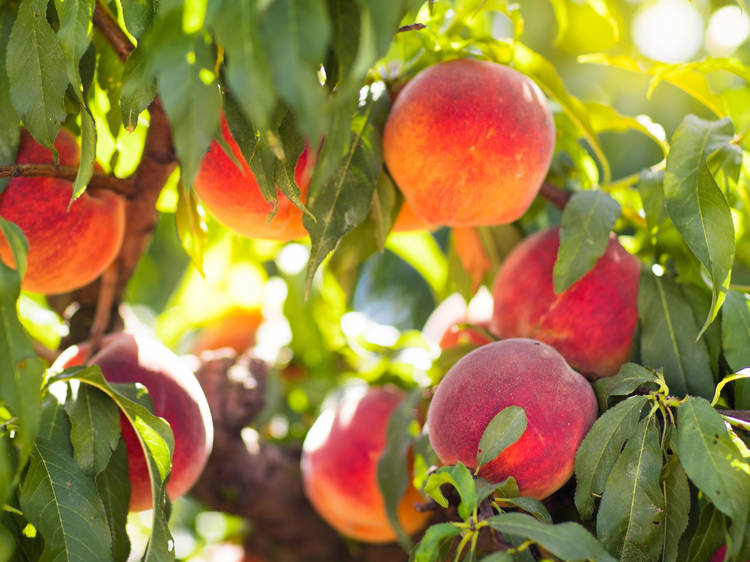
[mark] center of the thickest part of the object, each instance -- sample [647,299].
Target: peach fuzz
[469,143]
[177,397]
[234,329]
[67,248]
[591,323]
[234,197]
[340,461]
[559,403]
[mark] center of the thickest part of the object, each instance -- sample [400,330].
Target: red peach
[235,199]
[591,323]
[177,397]
[559,404]
[68,248]
[339,465]
[469,143]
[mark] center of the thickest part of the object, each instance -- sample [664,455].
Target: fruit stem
[98,181]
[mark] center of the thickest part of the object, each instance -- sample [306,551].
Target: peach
[559,403]
[339,465]
[591,323]
[235,199]
[407,220]
[235,329]
[469,142]
[68,248]
[177,397]
[443,327]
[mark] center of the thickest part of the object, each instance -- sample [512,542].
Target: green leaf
[713,463]
[157,442]
[676,510]
[191,227]
[606,118]
[10,131]
[708,536]
[504,429]
[695,203]
[531,506]
[428,549]
[295,34]
[88,153]
[735,333]
[393,469]
[631,513]
[668,337]
[628,378]
[601,448]
[113,486]
[461,479]
[18,244]
[587,220]
[184,69]
[138,89]
[74,35]
[138,15]
[36,70]
[95,428]
[61,501]
[345,201]
[292,144]
[651,189]
[499,556]
[248,73]
[568,541]
[6,543]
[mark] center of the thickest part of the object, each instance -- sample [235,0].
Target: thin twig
[98,181]
[558,197]
[106,300]
[107,25]
[411,27]
[49,355]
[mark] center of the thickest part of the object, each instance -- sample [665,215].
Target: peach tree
[243,144]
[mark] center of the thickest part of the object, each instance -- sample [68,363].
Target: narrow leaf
[462,480]
[676,510]
[668,337]
[113,486]
[138,89]
[631,513]
[74,35]
[504,429]
[626,381]
[708,536]
[36,69]
[138,15]
[587,220]
[428,549]
[651,189]
[9,121]
[191,226]
[88,153]
[735,333]
[695,203]
[601,448]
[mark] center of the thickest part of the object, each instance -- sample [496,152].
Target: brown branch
[411,27]
[122,186]
[558,197]
[107,25]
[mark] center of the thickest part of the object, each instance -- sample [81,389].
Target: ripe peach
[443,325]
[469,143]
[235,329]
[339,465]
[177,397]
[67,248]
[235,199]
[591,323]
[559,404]
[407,220]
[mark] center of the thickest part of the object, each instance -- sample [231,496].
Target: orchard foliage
[655,152]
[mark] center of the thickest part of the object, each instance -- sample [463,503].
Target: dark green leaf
[295,35]
[631,513]
[17,243]
[74,35]
[461,479]
[699,299]
[695,203]
[651,189]
[713,463]
[345,201]
[668,337]
[36,69]
[292,144]
[504,429]
[247,67]
[9,121]
[345,37]
[7,468]
[95,428]
[587,220]
[676,510]
[568,541]
[191,228]
[507,489]
[428,549]
[601,448]
[393,469]
[709,535]
[138,89]
[88,153]
[531,506]
[628,378]
[113,486]
[138,15]
[499,556]
[6,543]
[735,333]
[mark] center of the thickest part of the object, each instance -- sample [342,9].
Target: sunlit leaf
[504,429]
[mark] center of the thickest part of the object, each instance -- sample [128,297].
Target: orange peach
[591,323]
[559,403]
[235,329]
[234,197]
[469,142]
[177,397]
[339,465]
[68,248]
[407,220]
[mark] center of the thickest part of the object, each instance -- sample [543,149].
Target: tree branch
[108,26]
[558,197]
[98,181]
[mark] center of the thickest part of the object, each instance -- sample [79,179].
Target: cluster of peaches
[468,143]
